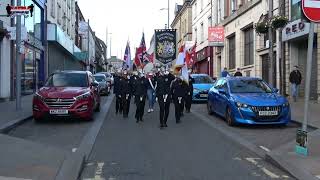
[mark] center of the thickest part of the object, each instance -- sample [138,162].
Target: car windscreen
[99,78]
[202,80]
[67,80]
[249,86]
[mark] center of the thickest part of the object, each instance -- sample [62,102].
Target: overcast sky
[126,19]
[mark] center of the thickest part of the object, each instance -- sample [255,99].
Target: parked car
[246,100]
[108,76]
[104,85]
[72,94]
[201,86]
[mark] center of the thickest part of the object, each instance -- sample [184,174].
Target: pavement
[300,166]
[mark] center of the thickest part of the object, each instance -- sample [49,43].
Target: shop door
[265,68]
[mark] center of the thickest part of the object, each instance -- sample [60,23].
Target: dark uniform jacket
[179,88]
[117,83]
[237,74]
[295,77]
[125,86]
[190,86]
[141,87]
[163,84]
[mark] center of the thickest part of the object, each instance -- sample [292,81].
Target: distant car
[72,94]
[202,84]
[104,85]
[246,100]
[108,76]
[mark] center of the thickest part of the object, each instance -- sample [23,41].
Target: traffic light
[8,8]
[31,9]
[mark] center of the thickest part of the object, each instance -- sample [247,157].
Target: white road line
[253,160]
[237,159]
[270,174]
[12,178]
[74,149]
[264,148]
[318,176]
[285,177]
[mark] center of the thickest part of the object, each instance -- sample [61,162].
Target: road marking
[269,173]
[74,149]
[285,176]
[89,164]
[12,178]
[318,176]
[237,159]
[253,160]
[264,148]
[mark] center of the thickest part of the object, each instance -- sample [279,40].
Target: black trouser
[188,102]
[178,105]
[140,103]
[164,109]
[119,107]
[125,104]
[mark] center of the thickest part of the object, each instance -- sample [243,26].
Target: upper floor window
[202,33]
[53,8]
[232,52]
[210,21]
[233,6]
[201,4]
[248,46]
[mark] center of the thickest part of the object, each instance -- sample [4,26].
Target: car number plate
[268,113]
[59,111]
[204,95]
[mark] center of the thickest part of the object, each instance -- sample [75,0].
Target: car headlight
[286,104]
[83,96]
[241,105]
[38,96]
[196,90]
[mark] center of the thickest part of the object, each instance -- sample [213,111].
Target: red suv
[71,94]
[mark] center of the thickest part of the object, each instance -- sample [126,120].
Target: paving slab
[23,159]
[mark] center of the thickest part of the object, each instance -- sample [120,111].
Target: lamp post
[168,9]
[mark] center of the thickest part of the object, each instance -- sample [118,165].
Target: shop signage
[295,29]
[165,40]
[216,36]
[311,9]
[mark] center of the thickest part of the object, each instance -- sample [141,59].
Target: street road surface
[125,150]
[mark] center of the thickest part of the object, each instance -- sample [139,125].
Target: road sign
[311,9]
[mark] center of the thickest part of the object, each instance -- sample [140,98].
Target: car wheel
[209,108]
[229,117]
[98,108]
[38,120]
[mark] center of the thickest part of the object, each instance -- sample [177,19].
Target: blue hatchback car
[247,100]
[201,86]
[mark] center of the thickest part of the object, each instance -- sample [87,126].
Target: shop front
[204,61]
[33,72]
[296,35]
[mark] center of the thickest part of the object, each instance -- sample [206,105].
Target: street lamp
[168,9]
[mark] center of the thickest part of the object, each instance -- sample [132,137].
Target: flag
[140,57]
[127,58]
[150,52]
[191,55]
[180,60]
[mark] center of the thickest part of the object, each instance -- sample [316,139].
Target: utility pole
[88,43]
[271,62]
[18,60]
[168,14]
[110,45]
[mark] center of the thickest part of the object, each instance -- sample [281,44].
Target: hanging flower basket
[261,28]
[279,22]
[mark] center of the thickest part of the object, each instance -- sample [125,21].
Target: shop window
[232,52]
[248,46]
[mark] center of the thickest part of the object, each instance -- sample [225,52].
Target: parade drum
[148,68]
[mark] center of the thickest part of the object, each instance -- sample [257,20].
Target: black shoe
[165,125]
[188,111]
[178,122]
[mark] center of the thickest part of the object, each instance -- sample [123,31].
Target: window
[248,46]
[219,11]
[209,21]
[53,8]
[196,34]
[195,9]
[201,4]
[202,33]
[232,52]
[59,17]
[233,6]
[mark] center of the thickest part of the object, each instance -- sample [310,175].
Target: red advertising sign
[216,34]
[311,9]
